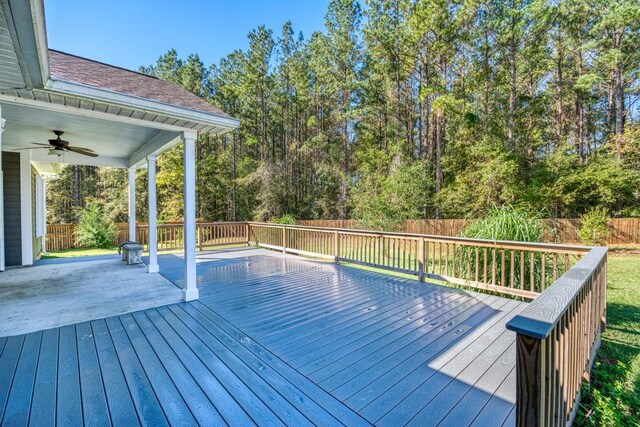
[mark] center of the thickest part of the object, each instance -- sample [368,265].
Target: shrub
[593,227]
[96,229]
[284,219]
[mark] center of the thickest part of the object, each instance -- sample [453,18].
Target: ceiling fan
[58,146]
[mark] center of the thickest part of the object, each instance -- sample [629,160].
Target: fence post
[421,259]
[199,236]
[246,230]
[530,371]
[336,247]
[284,239]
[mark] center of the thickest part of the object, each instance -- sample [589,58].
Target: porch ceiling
[116,143]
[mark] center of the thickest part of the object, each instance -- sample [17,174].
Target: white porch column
[153,231]
[26,215]
[2,265]
[44,215]
[190,290]
[132,204]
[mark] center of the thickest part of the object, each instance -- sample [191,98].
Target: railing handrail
[504,244]
[541,315]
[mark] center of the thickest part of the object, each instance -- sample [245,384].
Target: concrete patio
[60,292]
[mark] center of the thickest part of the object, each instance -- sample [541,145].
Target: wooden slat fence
[170,236]
[624,230]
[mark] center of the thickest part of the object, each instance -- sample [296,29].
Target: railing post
[336,247]
[246,230]
[421,259]
[199,236]
[284,239]
[530,381]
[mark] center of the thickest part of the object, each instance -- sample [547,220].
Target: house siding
[12,227]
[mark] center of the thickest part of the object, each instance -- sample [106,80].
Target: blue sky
[130,33]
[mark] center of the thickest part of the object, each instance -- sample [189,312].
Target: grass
[613,397]
[77,252]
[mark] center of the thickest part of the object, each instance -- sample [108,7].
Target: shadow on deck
[274,340]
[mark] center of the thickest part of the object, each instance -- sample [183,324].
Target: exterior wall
[12,220]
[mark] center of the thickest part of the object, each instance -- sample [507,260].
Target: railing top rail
[539,318]
[550,247]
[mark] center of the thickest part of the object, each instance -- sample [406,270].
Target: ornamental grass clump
[493,265]
[96,229]
[506,223]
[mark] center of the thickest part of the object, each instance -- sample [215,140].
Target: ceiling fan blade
[40,144]
[32,148]
[83,151]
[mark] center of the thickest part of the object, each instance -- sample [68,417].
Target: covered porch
[57,108]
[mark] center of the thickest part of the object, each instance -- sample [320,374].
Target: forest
[407,109]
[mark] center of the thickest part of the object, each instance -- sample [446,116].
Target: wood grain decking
[274,341]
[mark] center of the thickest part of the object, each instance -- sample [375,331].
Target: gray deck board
[274,341]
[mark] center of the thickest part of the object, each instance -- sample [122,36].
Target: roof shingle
[72,68]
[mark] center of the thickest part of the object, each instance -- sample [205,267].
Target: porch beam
[153,230]
[161,142]
[78,159]
[190,290]
[132,203]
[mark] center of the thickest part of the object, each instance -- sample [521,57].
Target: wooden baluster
[522,285]
[543,272]
[493,265]
[502,269]
[532,271]
[485,262]
[477,276]
[512,279]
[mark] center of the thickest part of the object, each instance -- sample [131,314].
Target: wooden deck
[272,341]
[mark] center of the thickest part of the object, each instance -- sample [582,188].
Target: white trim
[131,172]
[26,229]
[2,263]
[40,31]
[44,216]
[110,96]
[40,213]
[153,229]
[67,109]
[190,289]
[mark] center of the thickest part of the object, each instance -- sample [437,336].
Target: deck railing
[558,333]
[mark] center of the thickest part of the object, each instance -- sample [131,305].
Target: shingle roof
[73,68]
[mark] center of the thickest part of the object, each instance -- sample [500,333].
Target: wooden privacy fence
[558,333]
[170,236]
[624,231]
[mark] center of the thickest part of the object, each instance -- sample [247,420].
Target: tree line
[407,109]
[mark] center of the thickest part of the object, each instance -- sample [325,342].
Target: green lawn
[70,253]
[613,397]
